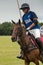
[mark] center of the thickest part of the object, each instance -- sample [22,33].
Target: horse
[31,52]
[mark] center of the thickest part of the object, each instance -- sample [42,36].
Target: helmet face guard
[24,8]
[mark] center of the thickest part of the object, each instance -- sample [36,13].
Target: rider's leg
[39,44]
[36,33]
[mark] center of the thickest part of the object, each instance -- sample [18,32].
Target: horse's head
[17,30]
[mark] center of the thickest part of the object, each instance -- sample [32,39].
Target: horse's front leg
[27,62]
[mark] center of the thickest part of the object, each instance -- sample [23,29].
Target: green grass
[9,51]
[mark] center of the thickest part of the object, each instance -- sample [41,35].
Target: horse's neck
[22,37]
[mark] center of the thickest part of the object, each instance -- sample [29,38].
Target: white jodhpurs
[35,32]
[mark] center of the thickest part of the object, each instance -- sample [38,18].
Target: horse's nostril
[13,39]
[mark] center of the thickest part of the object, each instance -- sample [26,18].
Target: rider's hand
[28,28]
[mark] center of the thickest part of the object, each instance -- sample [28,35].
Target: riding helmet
[24,6]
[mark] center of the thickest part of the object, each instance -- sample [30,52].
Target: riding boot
[21,56]
[40,45]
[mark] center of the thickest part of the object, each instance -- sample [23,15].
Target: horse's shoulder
[27,37]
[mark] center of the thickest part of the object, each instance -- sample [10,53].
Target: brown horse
[30,51]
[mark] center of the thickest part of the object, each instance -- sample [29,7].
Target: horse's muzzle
[13,39]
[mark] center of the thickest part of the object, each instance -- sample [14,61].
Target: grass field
[9,51]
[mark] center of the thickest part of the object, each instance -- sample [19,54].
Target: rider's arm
[35,20]
[34,23]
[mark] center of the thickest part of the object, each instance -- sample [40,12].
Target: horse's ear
[13,21]
[19,21]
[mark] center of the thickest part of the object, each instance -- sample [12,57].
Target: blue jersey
[28,19]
